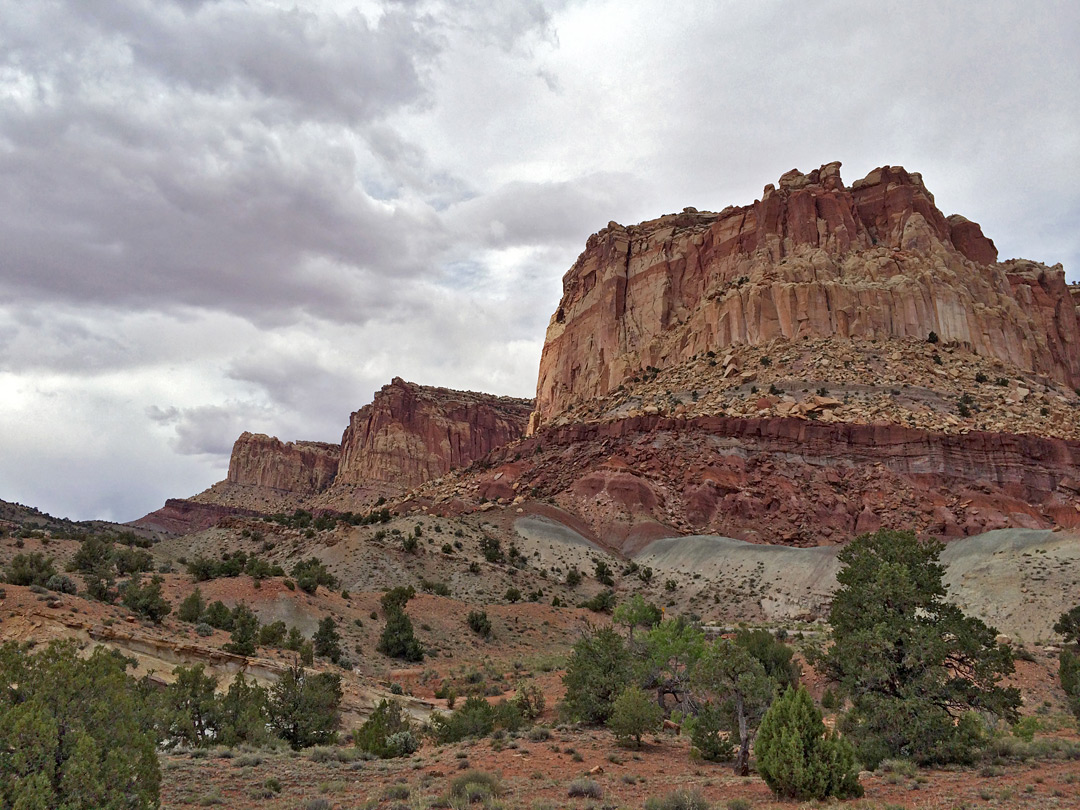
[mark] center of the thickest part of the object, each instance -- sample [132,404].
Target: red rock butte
[811,258]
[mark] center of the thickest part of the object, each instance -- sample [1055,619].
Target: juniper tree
[912,664]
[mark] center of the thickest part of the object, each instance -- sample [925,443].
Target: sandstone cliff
[265,461]
[409,434]
[412,433]
[811,258]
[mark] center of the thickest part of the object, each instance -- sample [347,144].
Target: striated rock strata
[265,461]
[811,258]
[412,433]
[409,434]
[780,480]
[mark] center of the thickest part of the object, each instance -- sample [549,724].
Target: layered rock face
[412,433]
[780,480]
[264,461]
[812,258]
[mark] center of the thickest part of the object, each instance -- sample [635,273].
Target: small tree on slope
[797,758]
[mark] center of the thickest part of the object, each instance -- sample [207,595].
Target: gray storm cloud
[226,215]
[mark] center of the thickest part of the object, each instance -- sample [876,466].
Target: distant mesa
[409,434]
[811,258]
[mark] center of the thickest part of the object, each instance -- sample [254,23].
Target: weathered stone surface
[411,433]
[786,480]
[809,259]
[265,461]
[179,516]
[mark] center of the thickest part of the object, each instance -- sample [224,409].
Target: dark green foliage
[603,574]
[304,707]
[146,600]
[132,560]
[274,634]
[636,612]
[410,545]
[243,714]
[797,758]
[479,623]
[912,664]
[530,700]
[61,583]
[398,639]
[634,714]
[1068,626]
[742,692]
[245,631]
[293,640]
[232,564]
[603,602]
[706,735]
[217,614]
[327,640]
[573,578]
[397,598]
[774,655]
[191,609]
[387,733]
[1069,674]
[33,568]
[932,337]
[95,562]
[474,718]
[190,707]
[74,733]
[600,668]
[512,595]
[437,588]
[310,574]
[491,549]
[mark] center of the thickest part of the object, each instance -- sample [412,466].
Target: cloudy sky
[228,215]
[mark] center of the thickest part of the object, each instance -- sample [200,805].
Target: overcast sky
[231,215]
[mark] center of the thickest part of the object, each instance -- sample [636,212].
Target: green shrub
[146,600]
[678,800]
[634,714]
[474,786]
[29,569]
[76,732]
[327,640]
[398,639]
[797,758]
[1069,675]
[61,583]
[479,623]
[388,733]
[603,602]
[585,788]
[598,670]
[706,735]
[191,609]
[474,718]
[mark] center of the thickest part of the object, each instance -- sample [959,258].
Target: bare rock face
[412,433]
[301,467]
[811,258]
[786,481]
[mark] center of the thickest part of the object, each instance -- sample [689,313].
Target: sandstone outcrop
[265,461]
[180,516]
[811,258]
[412,433]
[409,434]
[781,480]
